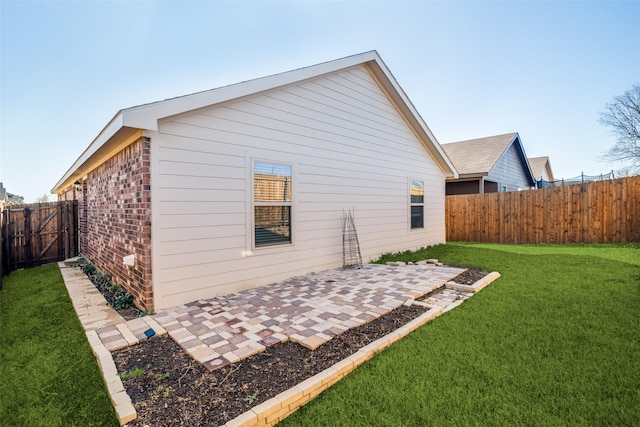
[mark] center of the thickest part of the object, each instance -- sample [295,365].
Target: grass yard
[48,375]
[554,342]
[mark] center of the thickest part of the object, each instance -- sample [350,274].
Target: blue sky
[472,69]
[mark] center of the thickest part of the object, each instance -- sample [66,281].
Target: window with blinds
[416,192]
[272,194]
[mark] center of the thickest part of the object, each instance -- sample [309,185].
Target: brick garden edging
[286,403]
[94,313]
[477,286]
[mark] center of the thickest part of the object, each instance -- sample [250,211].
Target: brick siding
[115,219]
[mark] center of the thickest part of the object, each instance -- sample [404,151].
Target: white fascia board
[109,130]
[147,116]
[411,113]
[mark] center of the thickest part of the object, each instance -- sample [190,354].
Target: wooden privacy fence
[38,233]
[595,212]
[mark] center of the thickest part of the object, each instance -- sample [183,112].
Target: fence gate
[38,233]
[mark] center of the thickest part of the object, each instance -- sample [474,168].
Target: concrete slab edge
[284,404]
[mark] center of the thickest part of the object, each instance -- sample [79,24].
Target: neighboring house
[246,185]
[7,198]
[541,168]
[489,165]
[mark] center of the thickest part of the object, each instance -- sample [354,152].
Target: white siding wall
[509,171]
[349,148]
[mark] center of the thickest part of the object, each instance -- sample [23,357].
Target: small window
[417,203]
[272,197]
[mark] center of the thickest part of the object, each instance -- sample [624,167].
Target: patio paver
[309,310]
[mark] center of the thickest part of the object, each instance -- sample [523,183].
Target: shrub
[116,295]
[121,298]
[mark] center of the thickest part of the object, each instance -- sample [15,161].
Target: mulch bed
[176,390]
[172,389]
[469,276]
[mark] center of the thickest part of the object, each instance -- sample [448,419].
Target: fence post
[74,228]
[7,242]
[38,237]
[2,252]
[61,233]
[27,237]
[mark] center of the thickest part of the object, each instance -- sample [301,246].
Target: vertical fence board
[26,237]
[599,212]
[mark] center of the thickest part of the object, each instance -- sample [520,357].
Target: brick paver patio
[309,310]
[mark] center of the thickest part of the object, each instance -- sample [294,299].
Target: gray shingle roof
[537,165]
[478,156]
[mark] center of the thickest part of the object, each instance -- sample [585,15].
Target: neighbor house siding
[117,207]
[463,187]
[509,171]
[349,149]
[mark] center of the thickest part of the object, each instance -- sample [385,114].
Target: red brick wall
[115,219]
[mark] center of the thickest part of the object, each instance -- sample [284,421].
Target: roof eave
[112,128]
[147,117]
[549,170]
[468,176]
[384,76]
[523,159]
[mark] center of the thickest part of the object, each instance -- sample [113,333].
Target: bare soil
[168,388]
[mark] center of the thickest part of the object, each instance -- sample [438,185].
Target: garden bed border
[94,312]
[286,403]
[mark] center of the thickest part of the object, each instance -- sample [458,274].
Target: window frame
[254,204]
[413,203]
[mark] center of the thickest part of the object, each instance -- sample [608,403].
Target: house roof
[147,116]
[538,164]
[476,157]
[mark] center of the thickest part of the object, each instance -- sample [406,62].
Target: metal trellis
[351,256]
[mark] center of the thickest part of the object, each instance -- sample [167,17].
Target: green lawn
[555,341]
[48,375]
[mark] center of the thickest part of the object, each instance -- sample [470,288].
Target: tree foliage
[43,199]
[622,117]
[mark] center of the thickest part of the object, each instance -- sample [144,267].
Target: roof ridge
[511,134]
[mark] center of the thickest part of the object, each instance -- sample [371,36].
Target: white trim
[423,204]
[154,171]
[253,204]
[147,116]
